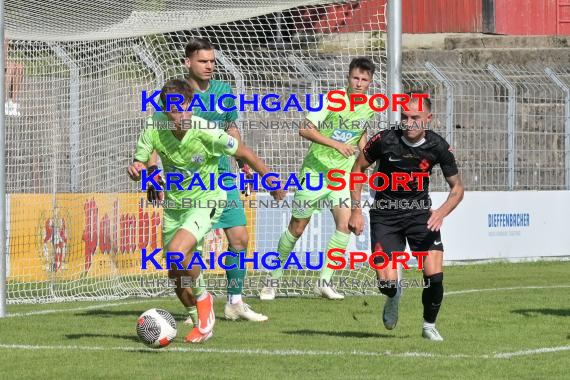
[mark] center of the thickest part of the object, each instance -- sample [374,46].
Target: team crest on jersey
[231,142]
[218,109]
[198,159]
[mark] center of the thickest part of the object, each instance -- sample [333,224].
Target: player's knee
[379,259]
[296,228]
[239,243]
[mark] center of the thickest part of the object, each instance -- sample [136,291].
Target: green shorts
[197,221]
[232,216]
[318,199]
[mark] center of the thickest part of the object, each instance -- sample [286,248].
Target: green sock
[338,240]
[235,276]
[193,313]
[198,287]
[286,245]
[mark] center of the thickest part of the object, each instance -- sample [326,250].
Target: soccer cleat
[432,334]
[390,314]
[327,292]
[241,310]
[267,294]
[195,336]
[206,316]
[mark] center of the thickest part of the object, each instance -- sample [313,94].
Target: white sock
[234,298]
[429,325]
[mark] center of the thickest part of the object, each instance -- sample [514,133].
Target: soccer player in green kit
[200,61]
[331,148]
[190,151]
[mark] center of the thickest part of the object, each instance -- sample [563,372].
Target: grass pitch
[498,321]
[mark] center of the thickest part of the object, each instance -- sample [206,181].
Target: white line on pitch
[265,352]
[121,303]
[467,291]
[92,307]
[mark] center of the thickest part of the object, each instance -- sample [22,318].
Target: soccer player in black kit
[409,149]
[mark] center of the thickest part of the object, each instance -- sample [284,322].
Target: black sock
[388,288]
[432,297]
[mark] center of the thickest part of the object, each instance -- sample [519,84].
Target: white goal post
[75,72]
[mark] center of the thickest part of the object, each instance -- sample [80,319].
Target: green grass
[328,339]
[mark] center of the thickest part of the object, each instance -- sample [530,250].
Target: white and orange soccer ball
[156,328]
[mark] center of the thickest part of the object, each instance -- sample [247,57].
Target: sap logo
[342,136]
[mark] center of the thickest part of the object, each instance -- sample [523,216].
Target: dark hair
[426,101]
[178,87]
[362,63]
[196,44]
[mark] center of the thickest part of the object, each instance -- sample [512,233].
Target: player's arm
[362,141]
[143,152]
[451,174]
[226,144]
[370,153]
[243,167]
[312,134]
[356,221]
[248,156]
[455,196]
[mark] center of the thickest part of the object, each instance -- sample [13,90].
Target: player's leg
[422,239]
[235,307]
[338,240]
[388,237]
[285,246]
[191,226]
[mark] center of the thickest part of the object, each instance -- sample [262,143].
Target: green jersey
[197,152]
[217,89]
[345,126]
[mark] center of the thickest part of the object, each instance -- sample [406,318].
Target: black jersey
[395,155]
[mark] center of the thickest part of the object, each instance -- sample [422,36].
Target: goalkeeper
[331,148]
[190,151]
[200,61]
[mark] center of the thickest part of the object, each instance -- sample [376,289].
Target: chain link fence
[509,125]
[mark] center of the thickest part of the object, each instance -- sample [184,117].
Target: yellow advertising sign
[72,236]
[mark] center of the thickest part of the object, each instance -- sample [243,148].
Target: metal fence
[509,125]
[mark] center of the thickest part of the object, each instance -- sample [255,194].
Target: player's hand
[435,221]
[134,170]
[356,222]
[278,194]
[151,193]
[346,150]
[244,168]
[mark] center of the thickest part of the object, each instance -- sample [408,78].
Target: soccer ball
[156,328]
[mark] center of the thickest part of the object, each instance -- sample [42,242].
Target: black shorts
[391,236]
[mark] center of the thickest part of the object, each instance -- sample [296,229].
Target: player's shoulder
[385,136]
[220,86]
[435,140]
[204,129]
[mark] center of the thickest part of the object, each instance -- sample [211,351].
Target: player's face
[176,116]
[201,64]
[415,121]
[359,81]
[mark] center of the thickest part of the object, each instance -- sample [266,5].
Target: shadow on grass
[532,312]
[343,334]
[132,338]
[118,313]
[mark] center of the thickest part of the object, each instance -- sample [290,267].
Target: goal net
[75,72]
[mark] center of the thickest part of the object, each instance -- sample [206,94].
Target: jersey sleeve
[220,143]
[447,161]
[373,148]
[229,103]
[145,144]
